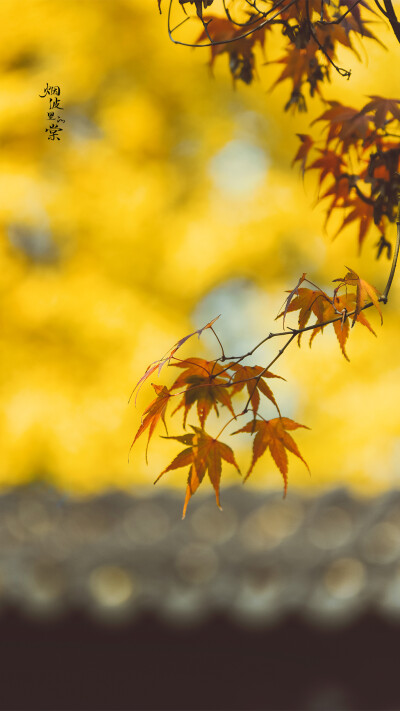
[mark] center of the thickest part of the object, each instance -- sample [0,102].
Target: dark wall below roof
[73,663]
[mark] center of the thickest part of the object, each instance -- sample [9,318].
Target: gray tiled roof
[327,557]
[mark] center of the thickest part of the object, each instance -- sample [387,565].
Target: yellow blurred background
[169,199]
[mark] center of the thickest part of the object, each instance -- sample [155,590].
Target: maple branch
[308,57]
[297,331]
[339,19]
[217,452]
[253,5]
[391,16]
[353,184]
[380,8]
[186,360]
[267,368]
[343,72]
[364,198]
[384,297]
[248,22]
[223,357]
[214,43]
[391,135]
[293,333]
[228,423]
[249,353]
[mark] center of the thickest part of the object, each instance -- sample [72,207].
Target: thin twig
[339,19]
[343,72]
[214,43]
[267,368]
[394,261]
[222,348]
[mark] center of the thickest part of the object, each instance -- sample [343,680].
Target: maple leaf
[299,64]
[328,35]
[317,302]
[340,305]
[291,296]
[302,154]
[223,31]
[381,107]
[204,454]
[202,387]
[197,367]
[353,23]
[159,364]
[355,15]
[153,413]
[361,211]
[365,292]
[227,38]
[339,190]
[249,376]
[307,302]
[273,434]
[344,122]
[341,327]
[330,163]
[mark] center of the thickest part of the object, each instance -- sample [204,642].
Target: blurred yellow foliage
[165,184]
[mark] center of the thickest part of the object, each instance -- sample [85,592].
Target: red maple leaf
[381,107]
[302,154]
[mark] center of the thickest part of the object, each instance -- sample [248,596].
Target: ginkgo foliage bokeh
[166,184]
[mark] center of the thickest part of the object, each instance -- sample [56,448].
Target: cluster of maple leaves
[214,385]
[357,164]
[311,30]
[358,160]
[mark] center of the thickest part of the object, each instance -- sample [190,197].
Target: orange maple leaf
[365,292]
[154,412]
[204,454]
[249,376]
[340,305]
[196,367]
[317,302]
[307,302]
[202,387]
[291,296]
[159,364]
[273,434]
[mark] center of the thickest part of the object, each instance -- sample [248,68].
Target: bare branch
[385,295]
[343,72]
[214,43]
